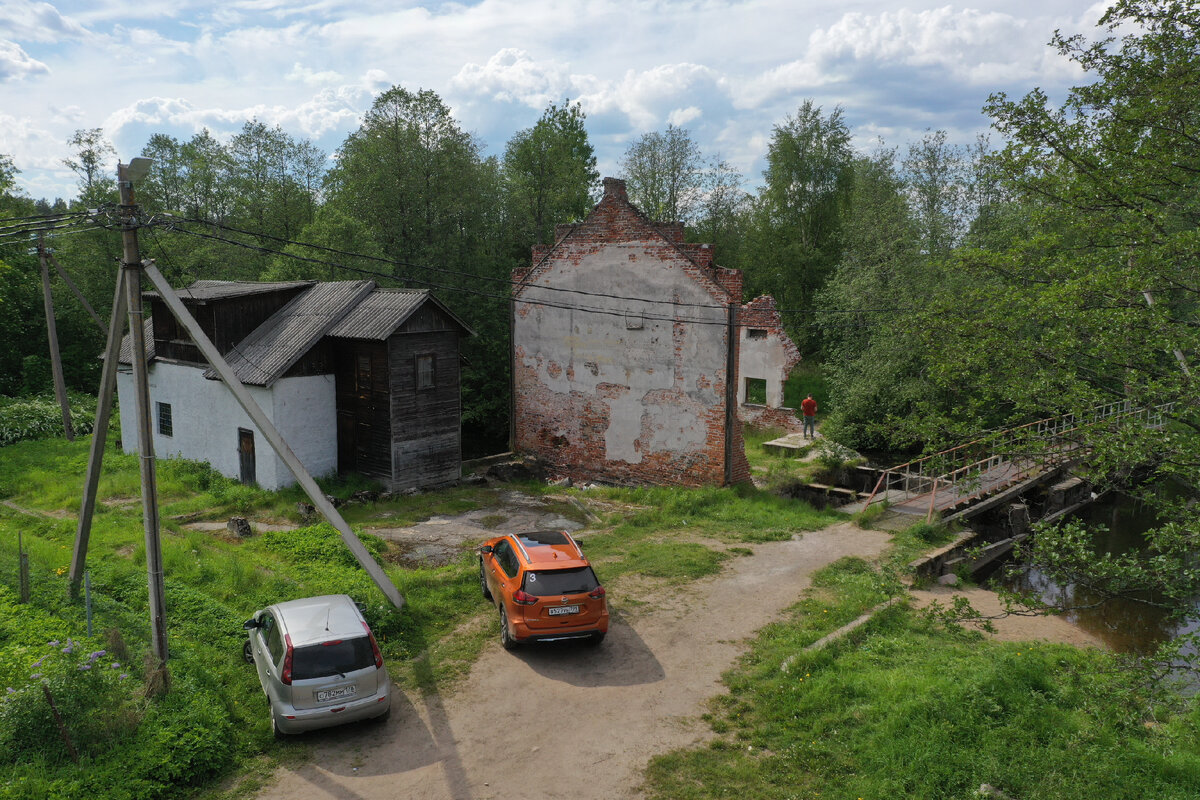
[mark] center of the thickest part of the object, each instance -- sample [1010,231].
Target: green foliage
[736,514]
[41,417]
[679,561]
[795,238]
[550,174]
[319,544]
[663,174]
[904,708]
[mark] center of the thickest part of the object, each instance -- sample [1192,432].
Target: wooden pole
[131,266]
[276,440]
[104,403]
[60,385]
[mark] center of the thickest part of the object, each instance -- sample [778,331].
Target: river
[1126,626]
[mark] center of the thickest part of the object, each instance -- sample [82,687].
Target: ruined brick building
[767,357]
[625,353]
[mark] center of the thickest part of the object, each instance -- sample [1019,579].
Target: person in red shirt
[809,407]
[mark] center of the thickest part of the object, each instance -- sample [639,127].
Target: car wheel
[596,638]
[278,734]
[487,594]
[506,639]
[247,652]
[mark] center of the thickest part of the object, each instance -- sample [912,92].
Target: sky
[726,70]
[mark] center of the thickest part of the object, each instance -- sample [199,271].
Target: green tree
[550,174]
[873,361]
[795,238]
[663,174]
[433,206]
[1099,303]
[93,164]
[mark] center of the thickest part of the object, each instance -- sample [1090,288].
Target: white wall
[206,418]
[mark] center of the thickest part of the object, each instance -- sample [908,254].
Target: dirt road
[570,721]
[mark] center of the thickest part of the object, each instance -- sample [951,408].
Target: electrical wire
[505,297]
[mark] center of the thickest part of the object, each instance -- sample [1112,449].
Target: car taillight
[374,646]
[524,598]
[286,676]
[596,593]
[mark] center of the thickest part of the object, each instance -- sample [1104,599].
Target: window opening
[165,427]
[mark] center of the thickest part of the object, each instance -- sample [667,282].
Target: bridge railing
[1031,446]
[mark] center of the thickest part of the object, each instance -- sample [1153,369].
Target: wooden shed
[357,378]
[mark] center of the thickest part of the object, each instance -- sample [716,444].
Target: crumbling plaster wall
[625,390]
[771,355]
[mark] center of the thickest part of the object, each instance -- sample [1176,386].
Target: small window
[756,391]
[165,427]
[756,333]
[426,372]
[633,321]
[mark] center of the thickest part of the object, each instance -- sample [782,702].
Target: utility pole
[104,402]
[60,385]
[131,272]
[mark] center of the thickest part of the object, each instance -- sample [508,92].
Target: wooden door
[246,456]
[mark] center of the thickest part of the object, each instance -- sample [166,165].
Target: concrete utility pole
[60,385]
[131,271]
[108,384]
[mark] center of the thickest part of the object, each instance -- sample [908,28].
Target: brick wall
[622,377]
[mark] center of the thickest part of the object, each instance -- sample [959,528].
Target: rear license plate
[558,611]
[326,695]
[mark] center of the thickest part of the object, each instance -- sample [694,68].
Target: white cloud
[682,116]
[15,63]
[311,77]
[512,75]
[954,47]
[36,22]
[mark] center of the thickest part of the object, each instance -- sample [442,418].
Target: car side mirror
[487,548]
[251,624]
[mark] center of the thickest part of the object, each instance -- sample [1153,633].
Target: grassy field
[214,581]
[907,708]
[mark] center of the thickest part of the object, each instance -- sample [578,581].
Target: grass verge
[904,708]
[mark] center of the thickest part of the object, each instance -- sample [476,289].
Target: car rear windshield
[544,583]
[335,658]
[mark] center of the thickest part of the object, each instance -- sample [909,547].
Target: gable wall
[599,397]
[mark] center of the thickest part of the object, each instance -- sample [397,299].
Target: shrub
[40,417]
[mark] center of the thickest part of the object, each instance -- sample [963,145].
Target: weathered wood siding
[363,421]
[225,321]
[426,438]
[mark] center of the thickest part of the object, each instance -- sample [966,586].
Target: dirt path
[571,721]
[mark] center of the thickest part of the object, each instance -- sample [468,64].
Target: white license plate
[326,695]
[557,611]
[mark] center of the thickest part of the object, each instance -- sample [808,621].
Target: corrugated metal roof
[379,314]
[216,290]
[126,356]
[273,347]
[384,310]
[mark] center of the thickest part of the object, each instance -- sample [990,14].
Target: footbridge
[997,464]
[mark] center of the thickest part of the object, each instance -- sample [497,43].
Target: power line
[504,281]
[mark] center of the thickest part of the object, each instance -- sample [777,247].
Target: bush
[40,417]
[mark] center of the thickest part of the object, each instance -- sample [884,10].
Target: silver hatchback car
[318,663]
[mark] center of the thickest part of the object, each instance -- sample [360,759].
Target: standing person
[809,407]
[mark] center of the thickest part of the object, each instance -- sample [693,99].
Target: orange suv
[544,587]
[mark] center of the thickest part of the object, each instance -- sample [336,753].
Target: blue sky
[727,70]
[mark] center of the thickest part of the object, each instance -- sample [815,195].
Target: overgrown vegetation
[211,722]
[40,417]
[908,708]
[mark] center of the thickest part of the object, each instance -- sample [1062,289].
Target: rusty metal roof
[273,347]
[204,291]
[384,310]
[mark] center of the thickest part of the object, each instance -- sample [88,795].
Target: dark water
[1126,626]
